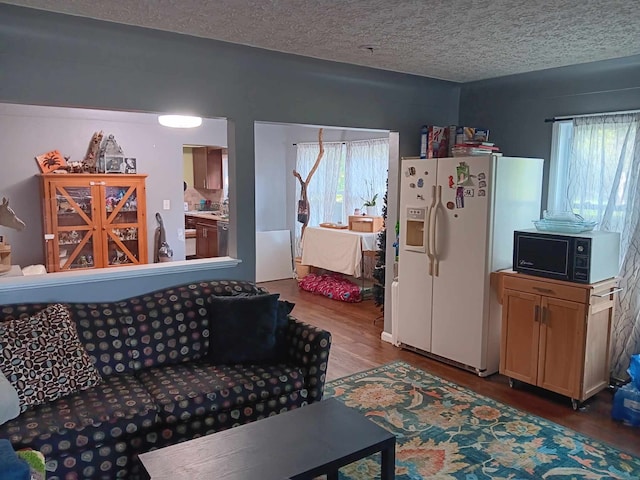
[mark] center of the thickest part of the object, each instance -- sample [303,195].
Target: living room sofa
[163,379]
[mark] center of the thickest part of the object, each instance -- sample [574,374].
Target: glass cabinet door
[74,245]
[121,224]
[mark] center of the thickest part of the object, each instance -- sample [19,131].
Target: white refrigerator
[457,218]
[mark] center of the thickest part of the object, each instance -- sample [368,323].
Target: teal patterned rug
[445,431]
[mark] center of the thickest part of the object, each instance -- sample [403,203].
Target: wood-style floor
[356,346]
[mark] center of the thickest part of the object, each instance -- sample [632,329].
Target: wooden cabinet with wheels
[207,168]
[556,335]
[94,221]
[206,238]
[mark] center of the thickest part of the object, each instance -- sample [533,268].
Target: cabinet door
[214,169]
[201,241]
[212,238]
[72,217]
[520,335]
[200,167]
[123,222]
[561,346]
[207,168]
[206,239]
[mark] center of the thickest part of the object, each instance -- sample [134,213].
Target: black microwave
[586,257]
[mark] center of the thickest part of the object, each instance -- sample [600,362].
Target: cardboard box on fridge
[470,134]
[434,141]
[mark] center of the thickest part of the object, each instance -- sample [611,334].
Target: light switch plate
[166,204]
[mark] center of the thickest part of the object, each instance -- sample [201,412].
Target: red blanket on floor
[331,285]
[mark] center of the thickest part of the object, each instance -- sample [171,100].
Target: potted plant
[370,202]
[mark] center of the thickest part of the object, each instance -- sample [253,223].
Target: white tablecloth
[336,250]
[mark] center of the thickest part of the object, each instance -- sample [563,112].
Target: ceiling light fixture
[179,121]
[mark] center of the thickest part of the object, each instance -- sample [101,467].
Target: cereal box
[434,141]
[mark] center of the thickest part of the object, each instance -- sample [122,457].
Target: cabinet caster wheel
[575,404]
[511,382]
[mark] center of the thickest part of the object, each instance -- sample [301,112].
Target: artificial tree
[380,268]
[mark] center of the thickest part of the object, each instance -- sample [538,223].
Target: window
[349,174]
[591,168]
[595,172]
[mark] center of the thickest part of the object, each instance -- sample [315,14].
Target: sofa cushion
[43,358]
[104,336]
[172,325]
[243,329]
[196,390]
[118,407]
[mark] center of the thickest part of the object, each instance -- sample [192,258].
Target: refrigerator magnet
[451,182]
[462,172]
[411,172]
[460,197]
[420,197]
[412,185]
[451,205]
[468,192]
[481,176]
[420,183]
[482,184]
[481,193]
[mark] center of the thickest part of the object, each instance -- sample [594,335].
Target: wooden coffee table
[300,444]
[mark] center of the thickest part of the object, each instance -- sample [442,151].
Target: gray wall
[53,59]
[515,107]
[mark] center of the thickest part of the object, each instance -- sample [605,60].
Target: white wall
[271,175]
[27,131]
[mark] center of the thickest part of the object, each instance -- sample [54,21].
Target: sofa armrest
[308,347]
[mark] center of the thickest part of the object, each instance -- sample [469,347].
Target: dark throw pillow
[282,326]
[243,329]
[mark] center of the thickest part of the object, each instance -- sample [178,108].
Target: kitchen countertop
[209,215]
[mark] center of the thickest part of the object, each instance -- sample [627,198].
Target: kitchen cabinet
[207,168]
[556,335]
[206,238]
[94,221]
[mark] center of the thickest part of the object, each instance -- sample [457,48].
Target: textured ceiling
[458,40]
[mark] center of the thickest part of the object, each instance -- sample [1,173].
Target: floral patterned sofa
[169,373]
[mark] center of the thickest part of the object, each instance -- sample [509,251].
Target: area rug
[445,431]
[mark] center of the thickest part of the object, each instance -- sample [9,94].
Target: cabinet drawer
[546,288]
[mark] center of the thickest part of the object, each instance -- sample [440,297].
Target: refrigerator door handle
[428,230]
[433,232]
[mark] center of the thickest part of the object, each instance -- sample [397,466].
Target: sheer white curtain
[365,173]
[323,187]
[602,184]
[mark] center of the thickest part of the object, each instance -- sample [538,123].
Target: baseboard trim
[386,337]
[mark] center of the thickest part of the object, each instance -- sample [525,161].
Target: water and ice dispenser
[415,229]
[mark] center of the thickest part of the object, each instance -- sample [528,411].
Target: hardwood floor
[356,346]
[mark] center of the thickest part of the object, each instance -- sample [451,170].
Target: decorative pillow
[243,329]
[43,358]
